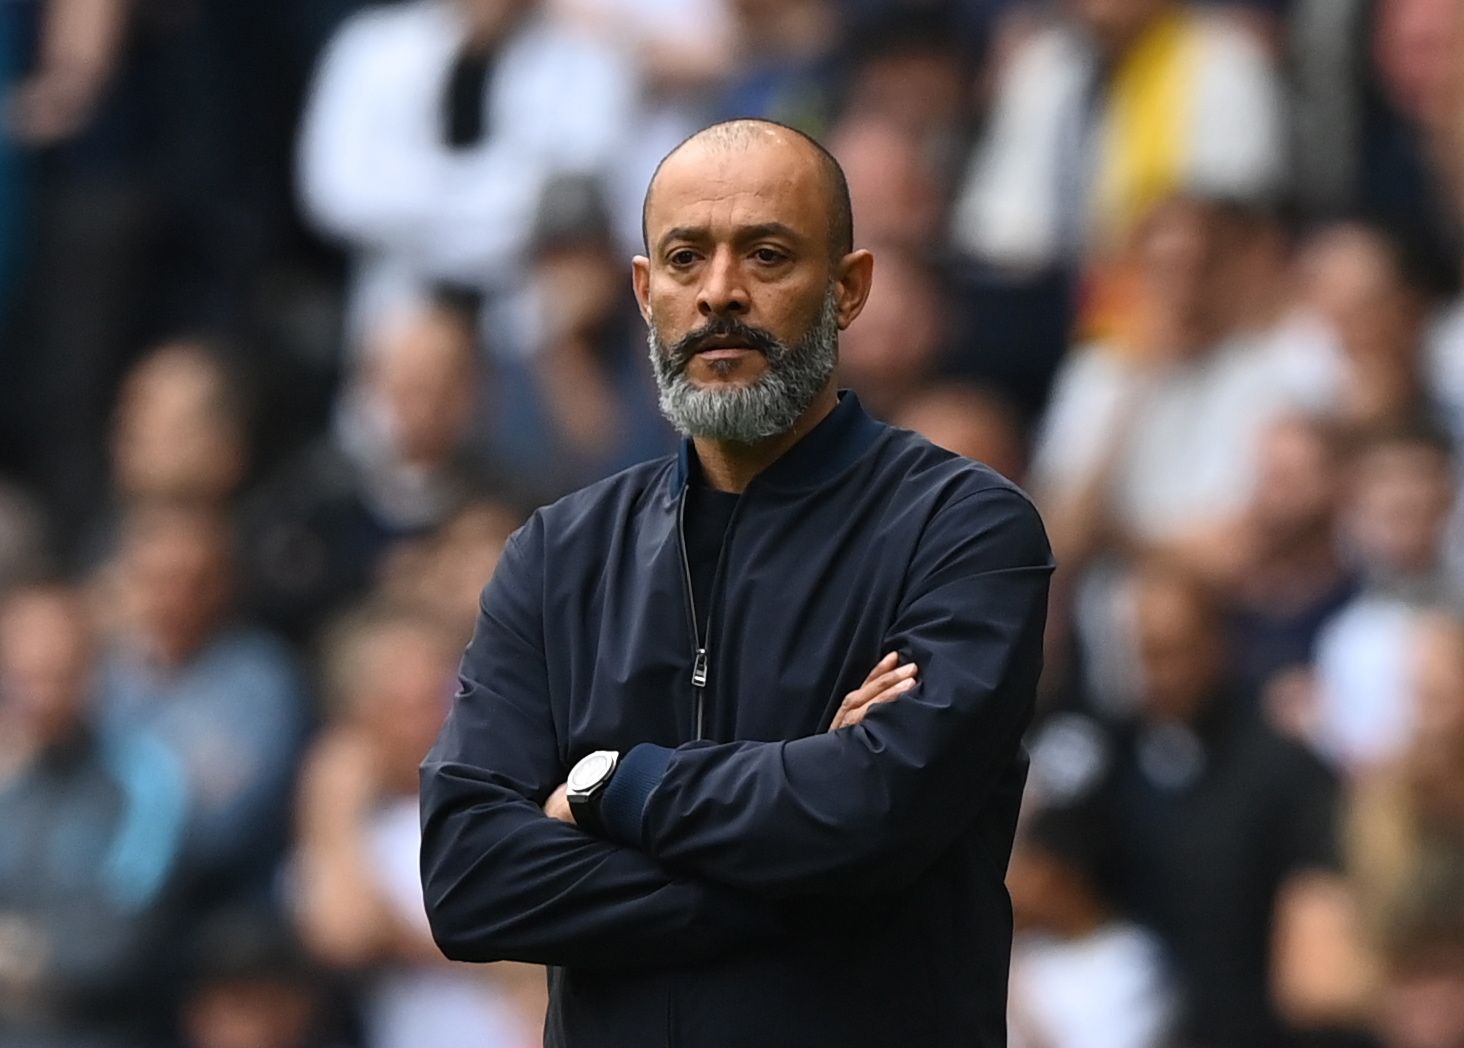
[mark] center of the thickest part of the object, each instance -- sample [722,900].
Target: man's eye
[767,255]
[684,257]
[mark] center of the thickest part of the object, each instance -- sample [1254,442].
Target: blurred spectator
[684,50]
[179,432]
[1394,525]
[180,428]
[430,134]
[1082,976]
[1282,573]
[1220,833]
[251,986]
[1104,114]
[225,696]
[894,186]
[1406,854]
[1098,117]
[358,895]
[580,403]
[444,573]
[1406,818]
[1362,283]
[396,463]
[1402,494]
[900,338]
[90,830]
[1153,442]
[786,66]
[969,421]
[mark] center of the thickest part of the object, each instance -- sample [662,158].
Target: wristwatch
[586,784]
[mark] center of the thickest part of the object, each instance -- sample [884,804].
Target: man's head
[1179,640]
[180,429]
[175,568]
[1183,247]
[749,275]
[901,335]
[1363,282]
[419,377]
[46,648]
[1401,498]
[390,675]
[1298,484]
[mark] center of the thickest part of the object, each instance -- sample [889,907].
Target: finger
[891,693]
[883,665]
[857,703]
[885,681]
[882,684]
[878,686]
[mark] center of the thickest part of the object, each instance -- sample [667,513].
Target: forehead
[722,189]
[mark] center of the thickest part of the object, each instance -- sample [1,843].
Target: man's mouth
[720,347]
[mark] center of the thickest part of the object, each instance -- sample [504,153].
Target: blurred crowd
[306,304]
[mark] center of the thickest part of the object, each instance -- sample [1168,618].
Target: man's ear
[853,276]
[640,279]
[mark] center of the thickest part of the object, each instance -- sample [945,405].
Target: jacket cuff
[624,800]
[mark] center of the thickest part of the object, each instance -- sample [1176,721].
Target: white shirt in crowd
[1364,671]
[376,171]
[1035,166]
[1105,990]
[1185,435]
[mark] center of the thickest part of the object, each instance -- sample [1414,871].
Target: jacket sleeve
[503,881]
[868,808]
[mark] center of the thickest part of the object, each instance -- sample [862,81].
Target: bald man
[736,750]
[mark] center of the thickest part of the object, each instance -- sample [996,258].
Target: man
[431,131]
[91,827]
[1216,832]
[766,843]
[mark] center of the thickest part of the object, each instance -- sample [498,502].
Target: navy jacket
[768,883]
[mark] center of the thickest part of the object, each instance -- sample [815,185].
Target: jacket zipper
[699,662]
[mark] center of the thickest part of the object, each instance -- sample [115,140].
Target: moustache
[690,344]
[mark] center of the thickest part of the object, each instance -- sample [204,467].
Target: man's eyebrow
[769,229]
[696,234]
[691,233]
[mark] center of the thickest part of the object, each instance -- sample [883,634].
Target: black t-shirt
[708,512]
[1194,830]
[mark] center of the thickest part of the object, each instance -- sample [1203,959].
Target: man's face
[1179,651]
[740,291]
[45,663]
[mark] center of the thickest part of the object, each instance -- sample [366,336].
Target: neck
[731,467]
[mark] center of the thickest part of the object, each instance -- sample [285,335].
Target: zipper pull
[699,669]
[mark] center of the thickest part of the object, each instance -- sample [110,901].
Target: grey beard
[769,406]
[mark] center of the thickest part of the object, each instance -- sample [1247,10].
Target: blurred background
[306,304]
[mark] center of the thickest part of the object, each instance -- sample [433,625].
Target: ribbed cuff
[624,800]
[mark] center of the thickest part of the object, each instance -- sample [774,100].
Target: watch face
[589,772]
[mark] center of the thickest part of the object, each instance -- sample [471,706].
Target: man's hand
[557,806]
[888,680]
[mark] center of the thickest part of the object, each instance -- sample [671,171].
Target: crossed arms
[727,830]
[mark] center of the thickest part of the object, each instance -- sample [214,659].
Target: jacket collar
[827,450]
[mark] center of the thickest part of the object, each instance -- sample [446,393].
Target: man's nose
[723,290]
